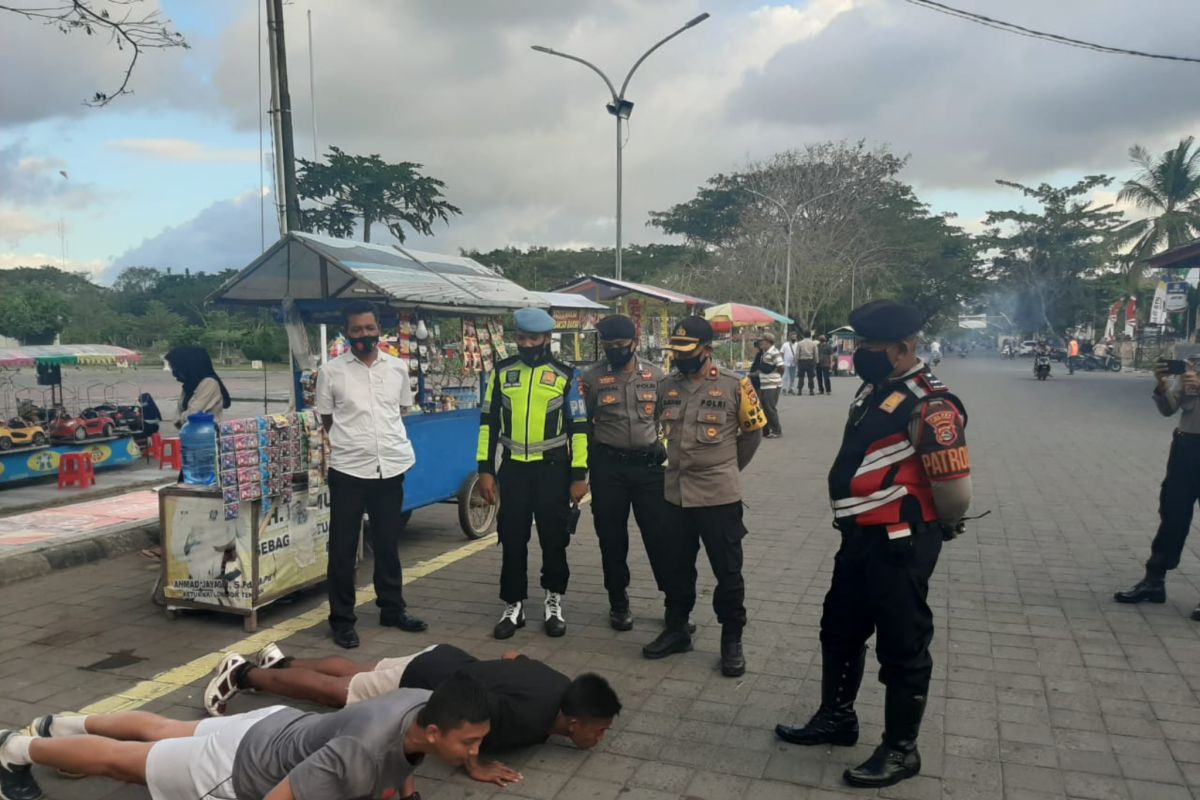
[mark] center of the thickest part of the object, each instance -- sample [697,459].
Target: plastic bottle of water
[198,438]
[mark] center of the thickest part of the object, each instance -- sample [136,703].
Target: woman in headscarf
[203,391]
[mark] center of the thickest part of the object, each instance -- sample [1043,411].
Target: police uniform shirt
[621,405]
[701,420]
[1174,399]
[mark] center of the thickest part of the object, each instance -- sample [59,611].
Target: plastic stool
[169,452]
[154,446]
[76,468]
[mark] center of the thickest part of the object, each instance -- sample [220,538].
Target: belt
[649,457]
[1188,436]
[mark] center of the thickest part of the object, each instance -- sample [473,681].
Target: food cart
[842,341]
[653,309]
[575,339]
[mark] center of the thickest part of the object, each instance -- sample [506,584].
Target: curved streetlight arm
[690,23]
[778,204]
[588,64]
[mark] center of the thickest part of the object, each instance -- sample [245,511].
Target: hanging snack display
[259,458]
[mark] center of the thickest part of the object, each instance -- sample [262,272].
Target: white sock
[16,751]
[67,726]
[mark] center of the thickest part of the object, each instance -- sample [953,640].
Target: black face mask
[362,345]
[533,355]
[872,366]
[618,357]
[689,366]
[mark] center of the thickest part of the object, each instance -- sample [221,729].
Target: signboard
[24,463]
[1158,306]
[1177,296]
[973,322]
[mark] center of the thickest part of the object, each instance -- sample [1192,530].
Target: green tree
[1045,257]
[32,314]
[1169,188]
[348,188]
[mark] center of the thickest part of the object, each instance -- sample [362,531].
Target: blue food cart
[455,302]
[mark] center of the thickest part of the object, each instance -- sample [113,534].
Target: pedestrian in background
[625,460]
[711,419]
[1181,486]
[360,397]
[789,363]
[203,391]
[533,408]
[768,368]
[824,365]
[807,351]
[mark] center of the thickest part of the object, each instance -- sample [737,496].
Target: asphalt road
[1043,687]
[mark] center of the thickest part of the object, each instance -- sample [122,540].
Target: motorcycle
[1041,366]
[936,358]
[1107,362]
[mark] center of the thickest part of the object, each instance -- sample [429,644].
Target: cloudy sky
[171,175]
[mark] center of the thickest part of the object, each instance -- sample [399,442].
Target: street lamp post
[791,220]
[620,108]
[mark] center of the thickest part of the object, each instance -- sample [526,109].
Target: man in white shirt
[360,397]
[789,362]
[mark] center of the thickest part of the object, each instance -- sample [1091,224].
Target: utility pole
[281,120]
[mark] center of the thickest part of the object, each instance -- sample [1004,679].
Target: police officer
[899,485]
[712,421]
[624,458]
[533,408]
[1181,486]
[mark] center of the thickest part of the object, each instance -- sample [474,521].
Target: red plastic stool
[154,446]
[169,452]
[76,468]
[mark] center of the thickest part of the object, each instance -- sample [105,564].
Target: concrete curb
[76,552]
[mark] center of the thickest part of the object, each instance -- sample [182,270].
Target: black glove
[952,531]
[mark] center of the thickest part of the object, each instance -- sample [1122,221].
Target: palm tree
[1169,188]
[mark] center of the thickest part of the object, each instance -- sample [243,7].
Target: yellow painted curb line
[179,677]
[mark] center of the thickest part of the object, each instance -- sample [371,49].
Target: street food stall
[729,317]
[575,340]
[262,532]
[842,341]
[40,424]
[654,310]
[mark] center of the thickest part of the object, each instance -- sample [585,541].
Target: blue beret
[534,320]
[886,321]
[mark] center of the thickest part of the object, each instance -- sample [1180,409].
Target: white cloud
[16,225]
[181,150]
[94,267]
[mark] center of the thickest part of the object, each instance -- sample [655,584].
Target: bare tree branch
[131,31]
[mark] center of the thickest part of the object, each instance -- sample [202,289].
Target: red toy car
[86,425]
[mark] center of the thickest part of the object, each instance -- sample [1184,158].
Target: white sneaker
[268,657]
[512,618]
[221,688]
[555,624]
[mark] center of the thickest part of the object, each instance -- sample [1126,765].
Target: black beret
[616,326]
[886,321]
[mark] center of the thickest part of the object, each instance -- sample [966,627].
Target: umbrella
[740,315]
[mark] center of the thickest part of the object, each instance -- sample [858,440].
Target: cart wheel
[474,515]
[172,613]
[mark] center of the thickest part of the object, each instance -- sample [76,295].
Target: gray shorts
[200,767]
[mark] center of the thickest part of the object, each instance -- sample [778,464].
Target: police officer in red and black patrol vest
[899,486]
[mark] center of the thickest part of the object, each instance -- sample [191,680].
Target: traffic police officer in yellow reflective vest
[899,486]
[534,409]
[625,459]
[712,421]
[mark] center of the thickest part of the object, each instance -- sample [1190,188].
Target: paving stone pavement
[1043,687]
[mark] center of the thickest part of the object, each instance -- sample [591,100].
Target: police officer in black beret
[900,485]
[625,459]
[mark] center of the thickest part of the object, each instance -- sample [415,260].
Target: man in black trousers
[625,458]
[360,396]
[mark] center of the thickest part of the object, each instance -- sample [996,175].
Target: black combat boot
[897,757]
[733,660]
[1150,589]
[835,721]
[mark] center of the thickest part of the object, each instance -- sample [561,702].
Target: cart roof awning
[103,354]
[306,266]
[600,288]
[573,302]
[1183,256]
